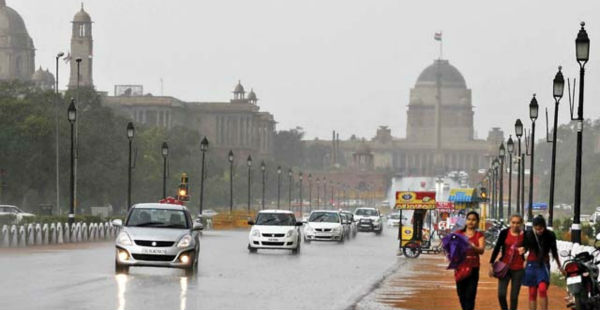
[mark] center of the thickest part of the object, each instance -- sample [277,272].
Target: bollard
[45,234]
[53,233]
[14,236]
[30,235]
[93,229]
[77,232]
[59,234]
[37,230]
[101,231]
[84,232]
[22,236]
[5,237]
[66,233]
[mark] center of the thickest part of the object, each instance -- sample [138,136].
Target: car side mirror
[250,222]
[304,221]
[117,222]
[197,226]
[299,223]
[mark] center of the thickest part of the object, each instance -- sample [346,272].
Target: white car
[393,220]
[324,225]
[18,213]
[369,219]
[274,229]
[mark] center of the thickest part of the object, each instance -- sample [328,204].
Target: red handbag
[462,272]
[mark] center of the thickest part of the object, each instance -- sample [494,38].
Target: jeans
[515,277]
[467,290]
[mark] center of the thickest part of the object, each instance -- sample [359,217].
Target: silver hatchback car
[158,235]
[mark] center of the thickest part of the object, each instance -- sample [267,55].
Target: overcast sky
[322,65]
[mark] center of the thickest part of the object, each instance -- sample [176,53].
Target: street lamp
[301,177]
[278,187]
[582,48]
[502,154]
[558,87]
[58,56]
[165,154]
[249,161]
[318,193]
[510,147]
[130,134]
[203,149]
[263,169]
[495,188]
[520,156]
[230,158]
[309,192]
[72,116]
[533,114]
[290,189]
[325,192]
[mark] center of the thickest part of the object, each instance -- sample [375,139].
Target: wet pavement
[325,275]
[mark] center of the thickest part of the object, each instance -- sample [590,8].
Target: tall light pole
[318,193]
[77,101]
[519,134]
[165,154]
[495,205]
[301,178]
[263,169]
[203,149]
[249,161]
[290,189]
[510,146]
[325,192]
[501,154]
[332,194]
[582,47]
[130,134]
[533,114]
[558,87]
[309,192]
[278,187]
[72,116]
[230,158]
[56,108]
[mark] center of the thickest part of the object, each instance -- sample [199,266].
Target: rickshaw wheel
[411,250]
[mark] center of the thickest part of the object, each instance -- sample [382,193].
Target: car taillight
[571,268]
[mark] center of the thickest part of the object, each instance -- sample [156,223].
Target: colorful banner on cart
[445,206]
[415,200]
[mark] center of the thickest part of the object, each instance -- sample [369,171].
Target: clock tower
[81,48]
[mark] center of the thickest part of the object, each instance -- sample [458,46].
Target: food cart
[411,238]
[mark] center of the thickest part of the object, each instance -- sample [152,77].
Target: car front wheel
[121,269]
[297,249]
[251,249]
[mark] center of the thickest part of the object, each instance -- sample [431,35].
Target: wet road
[325,276]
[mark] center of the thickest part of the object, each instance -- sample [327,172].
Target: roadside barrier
[54,233]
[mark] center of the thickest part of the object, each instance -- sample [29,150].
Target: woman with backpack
[539,242]
[467,273]
[509,268]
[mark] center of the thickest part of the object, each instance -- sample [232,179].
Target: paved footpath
[426,284]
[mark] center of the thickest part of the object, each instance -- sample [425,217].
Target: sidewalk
[429,286]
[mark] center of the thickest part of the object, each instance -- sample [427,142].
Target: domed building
[43,79]
[17,53]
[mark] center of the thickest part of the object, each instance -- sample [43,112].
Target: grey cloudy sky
[329,64]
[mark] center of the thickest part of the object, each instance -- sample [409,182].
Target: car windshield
[276,219]
[167,218]
[328,217]
[366,212]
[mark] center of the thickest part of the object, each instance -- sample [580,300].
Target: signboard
[444,206]
[129,90]
[539,206]
[415,200]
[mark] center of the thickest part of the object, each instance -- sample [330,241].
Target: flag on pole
[67,58]
[437,36]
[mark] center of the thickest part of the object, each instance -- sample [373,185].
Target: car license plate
[154,251]
[573,280]
[273,239]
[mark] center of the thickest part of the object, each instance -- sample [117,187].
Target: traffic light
[182,191]
[483,193]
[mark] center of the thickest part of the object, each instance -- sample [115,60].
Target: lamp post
[263,169]
[325,192]
[309,192]
[332,201]
[58,56]
[130,134]
[72,116]
[249,161]
[533,114]
[495,186]
[510,146]
[519,134]
[203,149]
[301,178]
[558,86]
[165,154]
[230,158]
[290,189]
[318,193]
[501,154]
[278,187]
[582,47]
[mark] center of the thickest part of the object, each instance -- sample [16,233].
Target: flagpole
[441,46]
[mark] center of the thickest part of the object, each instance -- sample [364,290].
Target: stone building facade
[81,48]
[17,52]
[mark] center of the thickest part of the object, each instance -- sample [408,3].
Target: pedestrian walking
[467,273]
[539,243]
[509,268]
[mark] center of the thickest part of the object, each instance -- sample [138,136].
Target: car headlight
[289,233]
[337,229]
[124,239]
[309,229]
[255,233]
[184,242]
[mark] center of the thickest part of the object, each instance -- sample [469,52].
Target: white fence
[54,233]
